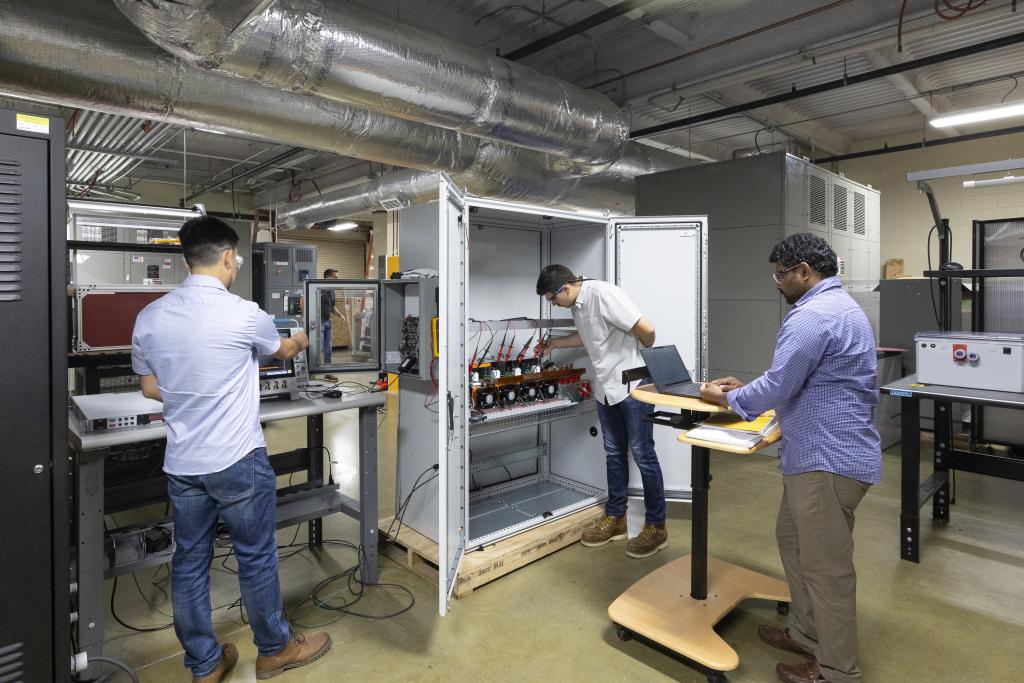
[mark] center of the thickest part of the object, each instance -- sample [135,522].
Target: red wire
[957,10]
[293,197]
[899,27]
[951,6]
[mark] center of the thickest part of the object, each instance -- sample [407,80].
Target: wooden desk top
[715,446]
[648,393]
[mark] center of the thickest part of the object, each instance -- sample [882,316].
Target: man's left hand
[712,393]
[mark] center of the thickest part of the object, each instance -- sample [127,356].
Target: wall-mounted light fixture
[1000,111]
[1005,180]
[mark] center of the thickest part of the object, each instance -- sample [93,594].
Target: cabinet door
[27,630]
[662,264]
[353,304]
[452,378]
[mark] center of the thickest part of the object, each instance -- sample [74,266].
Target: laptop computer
[669,372]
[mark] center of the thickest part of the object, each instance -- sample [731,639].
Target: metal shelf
[513,421]
[506,459]
[86,245]
[975,273]
[526,323]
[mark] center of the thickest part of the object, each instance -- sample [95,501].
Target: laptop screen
[665,365]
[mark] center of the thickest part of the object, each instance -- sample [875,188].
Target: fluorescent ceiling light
[1001,111]
[347,225]
[1005,180]
[92,207]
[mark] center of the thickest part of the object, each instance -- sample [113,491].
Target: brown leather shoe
[650,540]
[804,672]
[780,638]
[300,651]
[228,659]
[610,528]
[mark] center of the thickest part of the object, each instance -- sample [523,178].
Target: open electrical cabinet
[516,466]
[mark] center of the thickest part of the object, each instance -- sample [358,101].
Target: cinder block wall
[905,214]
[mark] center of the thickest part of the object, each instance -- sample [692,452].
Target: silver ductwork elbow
[349,55]
[390,192]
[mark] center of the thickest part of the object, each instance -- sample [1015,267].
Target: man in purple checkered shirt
[822,385]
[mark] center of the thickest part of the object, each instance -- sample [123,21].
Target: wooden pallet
[418,554]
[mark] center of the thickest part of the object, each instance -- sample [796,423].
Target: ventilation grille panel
[859,224]
[818,200]
[305,255]
[12,659]
[840,217]
[392,203]
[10,230]
[279,254]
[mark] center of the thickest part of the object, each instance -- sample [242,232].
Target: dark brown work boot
[804,672]
[650,540]
[610,528]
[228,659]
[780,638]
[300,651]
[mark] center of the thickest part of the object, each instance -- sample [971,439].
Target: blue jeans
[623,428]
[328,340]
[244,496]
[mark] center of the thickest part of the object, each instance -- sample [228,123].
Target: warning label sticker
[33,124]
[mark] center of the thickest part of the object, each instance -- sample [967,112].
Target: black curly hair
[807,248]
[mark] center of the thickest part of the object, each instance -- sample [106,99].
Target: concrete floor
[957,616]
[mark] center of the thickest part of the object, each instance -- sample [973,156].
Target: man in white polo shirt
[611,328]
[195,349]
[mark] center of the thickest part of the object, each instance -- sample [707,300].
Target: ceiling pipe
[845,81]
[576,28]
[269,163]
[891,149]
[343,53]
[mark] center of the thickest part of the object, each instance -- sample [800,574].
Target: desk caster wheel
[623,633]
[782,608]
[716,677]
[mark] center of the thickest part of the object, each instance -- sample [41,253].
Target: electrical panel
[409,309]
[125,268]
[992,361]
[278,271]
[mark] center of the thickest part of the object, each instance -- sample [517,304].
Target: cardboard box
[892,269]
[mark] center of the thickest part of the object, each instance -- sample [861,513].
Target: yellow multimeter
[433,327]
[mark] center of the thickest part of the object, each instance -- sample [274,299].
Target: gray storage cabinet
[752,204]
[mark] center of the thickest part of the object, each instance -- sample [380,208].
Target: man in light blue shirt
[822,385]
[195,349]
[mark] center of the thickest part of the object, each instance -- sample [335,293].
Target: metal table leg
[910,478]
[315,470]
[91,603]
[701,481]
[368,492]
[941,459]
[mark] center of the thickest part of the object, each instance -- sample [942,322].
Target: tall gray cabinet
[752,204]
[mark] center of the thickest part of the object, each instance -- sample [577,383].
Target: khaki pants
[815,534]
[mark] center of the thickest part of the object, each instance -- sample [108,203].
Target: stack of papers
[731,430]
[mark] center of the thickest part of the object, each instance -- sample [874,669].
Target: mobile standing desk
[678,605]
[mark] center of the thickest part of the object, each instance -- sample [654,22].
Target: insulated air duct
[86,54]
[346,54]
[405,188]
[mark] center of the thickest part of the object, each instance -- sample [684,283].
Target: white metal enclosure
[500,475]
